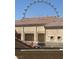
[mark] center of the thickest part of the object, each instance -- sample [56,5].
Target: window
[29,37]
[41,39]
[51,37]
[59,37]
[18,36]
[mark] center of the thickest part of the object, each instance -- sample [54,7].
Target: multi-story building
[43,31]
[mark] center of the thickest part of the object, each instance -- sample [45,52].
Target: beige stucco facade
[50,35]
[55,41]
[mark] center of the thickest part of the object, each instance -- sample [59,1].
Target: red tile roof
[54,24]
[40,21]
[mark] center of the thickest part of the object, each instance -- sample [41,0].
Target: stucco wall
[48,32]
[19,29]
[40,29]
[31,29]
[54,41]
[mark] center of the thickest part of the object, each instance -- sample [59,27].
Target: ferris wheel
[48,2]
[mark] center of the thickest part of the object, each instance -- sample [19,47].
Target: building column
[35,36]
[22,34]
[45,37]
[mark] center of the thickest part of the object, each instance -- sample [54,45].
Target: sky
[38,9]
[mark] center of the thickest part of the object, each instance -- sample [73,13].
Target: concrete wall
[30,29]
[41,29]
[19,29]
[54,33]
[39,54]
